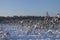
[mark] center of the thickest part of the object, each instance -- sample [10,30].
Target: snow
[19,32]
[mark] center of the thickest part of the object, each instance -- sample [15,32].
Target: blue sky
[29,7]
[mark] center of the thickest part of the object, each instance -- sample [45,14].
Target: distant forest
[22,18]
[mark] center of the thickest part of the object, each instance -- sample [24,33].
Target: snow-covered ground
[20,32]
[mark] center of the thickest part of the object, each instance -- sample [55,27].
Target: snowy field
[20,32]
